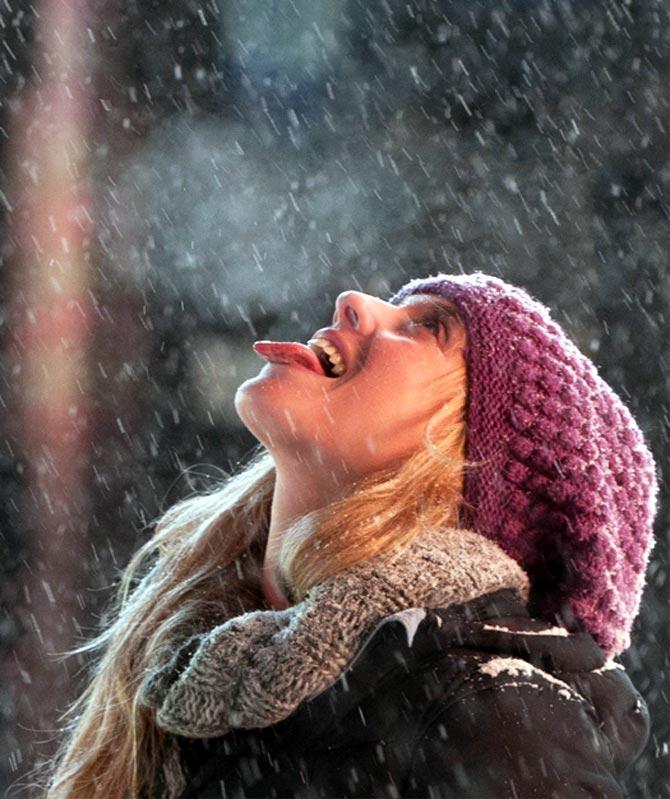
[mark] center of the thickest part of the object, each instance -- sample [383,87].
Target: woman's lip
[292,363]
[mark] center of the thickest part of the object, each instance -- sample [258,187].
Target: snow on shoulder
[516,667]
[410,619]
[546,631]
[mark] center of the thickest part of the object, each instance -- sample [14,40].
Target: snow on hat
[566,484]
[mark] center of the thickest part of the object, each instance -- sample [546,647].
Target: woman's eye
[434,324]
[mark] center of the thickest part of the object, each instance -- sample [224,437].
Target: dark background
[237,165]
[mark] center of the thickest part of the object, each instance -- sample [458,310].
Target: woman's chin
[251,403]
[268,409]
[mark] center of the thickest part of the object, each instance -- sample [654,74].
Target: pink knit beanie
[566,485]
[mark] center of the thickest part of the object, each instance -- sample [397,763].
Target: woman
[417,588]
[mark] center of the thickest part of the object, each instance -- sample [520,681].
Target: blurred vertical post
[51,327]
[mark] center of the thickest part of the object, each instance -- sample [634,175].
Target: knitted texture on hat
[565,482]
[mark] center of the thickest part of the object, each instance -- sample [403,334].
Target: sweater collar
[255,669]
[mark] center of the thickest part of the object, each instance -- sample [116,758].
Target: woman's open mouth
[319,355]
[330,356]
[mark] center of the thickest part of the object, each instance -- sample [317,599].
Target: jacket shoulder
[516,733]
[494,669]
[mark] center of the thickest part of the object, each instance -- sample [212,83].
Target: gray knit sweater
[254,669]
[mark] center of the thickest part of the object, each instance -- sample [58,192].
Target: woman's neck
[274,596]
[303,491]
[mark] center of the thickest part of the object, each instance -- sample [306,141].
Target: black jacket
[478,701]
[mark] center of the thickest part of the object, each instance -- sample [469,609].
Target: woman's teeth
[336,361]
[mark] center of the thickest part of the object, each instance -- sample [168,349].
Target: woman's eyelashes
[436,323]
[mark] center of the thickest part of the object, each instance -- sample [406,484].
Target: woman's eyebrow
[430,301]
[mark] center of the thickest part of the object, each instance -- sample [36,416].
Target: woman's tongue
[288,352]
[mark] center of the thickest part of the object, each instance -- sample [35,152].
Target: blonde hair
[113,747]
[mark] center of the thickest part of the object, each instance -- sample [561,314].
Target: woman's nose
[361,312]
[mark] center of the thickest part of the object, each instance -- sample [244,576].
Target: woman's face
[375,413]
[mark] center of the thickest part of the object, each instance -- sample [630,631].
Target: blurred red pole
[51,327]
